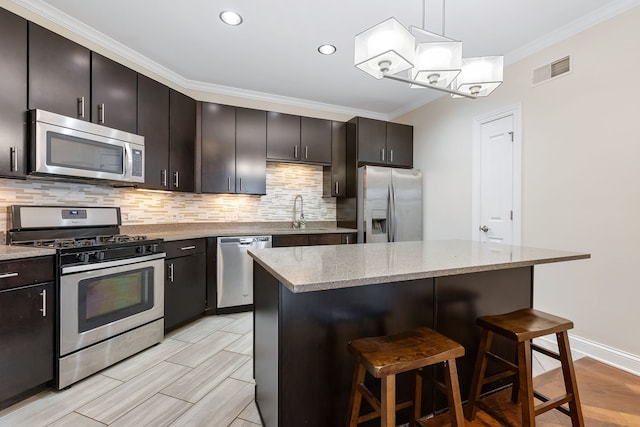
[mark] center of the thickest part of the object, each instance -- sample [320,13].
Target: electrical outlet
[231,216]
[132,217]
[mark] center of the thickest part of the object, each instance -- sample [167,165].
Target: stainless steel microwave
[66,147]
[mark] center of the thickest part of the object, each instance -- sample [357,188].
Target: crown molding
[581,24]
[54,15]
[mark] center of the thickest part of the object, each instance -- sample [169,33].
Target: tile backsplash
[284,182]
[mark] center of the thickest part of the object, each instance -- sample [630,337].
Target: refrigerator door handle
[391,233]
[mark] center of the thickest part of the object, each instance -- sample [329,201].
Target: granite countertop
[8,252]
[182,231]
[316,268]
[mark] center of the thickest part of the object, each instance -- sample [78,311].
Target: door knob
[484,228]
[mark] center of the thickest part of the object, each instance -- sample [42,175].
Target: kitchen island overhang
[310,301]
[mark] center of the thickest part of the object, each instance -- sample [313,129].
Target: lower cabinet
[27,314]
[185,282]
[284,240]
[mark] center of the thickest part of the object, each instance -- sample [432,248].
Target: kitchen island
[310,301]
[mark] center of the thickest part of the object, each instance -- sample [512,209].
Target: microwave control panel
[137,163]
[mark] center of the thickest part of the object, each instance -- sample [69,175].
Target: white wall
[580,177]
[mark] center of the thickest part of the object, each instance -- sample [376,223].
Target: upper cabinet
[153,124]
[218,148]
[113,94]
[298,139]
[382,143]
[251,153]
[69,79]
[59,74]
[335,176]
[13,87]
[182,137]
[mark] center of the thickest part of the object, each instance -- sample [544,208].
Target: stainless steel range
[110,289]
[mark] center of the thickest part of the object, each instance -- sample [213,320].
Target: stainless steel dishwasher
[235,269]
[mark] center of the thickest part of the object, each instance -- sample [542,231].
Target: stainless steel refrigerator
[389,204]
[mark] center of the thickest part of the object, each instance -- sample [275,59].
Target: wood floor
[201,375]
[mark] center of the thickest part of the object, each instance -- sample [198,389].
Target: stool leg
[478,374]
[388,402]
[526,384]
[570,384]
[453,393]
[356,398]
[417,398]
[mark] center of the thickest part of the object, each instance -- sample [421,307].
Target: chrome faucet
[298,222]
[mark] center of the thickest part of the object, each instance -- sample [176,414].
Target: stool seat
[522,326]
[386,356]
[406,351]
[525,324]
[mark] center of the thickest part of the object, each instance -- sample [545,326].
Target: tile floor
[200,375]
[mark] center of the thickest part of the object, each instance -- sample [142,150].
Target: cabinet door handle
[228,183]
[7,275]
[14,159]
[346,240]
[390,156]
[171,272]
[101,114]
[81,107]
[163,176]
[241,184]
[43,310]
[295,151]
[306,153]
[176,179]
[337,187]
[382,154]
[187,248]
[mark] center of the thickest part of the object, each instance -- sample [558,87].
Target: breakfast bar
[310,301]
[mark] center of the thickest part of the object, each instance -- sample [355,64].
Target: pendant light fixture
[435,61]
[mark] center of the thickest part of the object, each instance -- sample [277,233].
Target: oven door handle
[117,263]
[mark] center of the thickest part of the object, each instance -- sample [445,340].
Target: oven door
[109,299]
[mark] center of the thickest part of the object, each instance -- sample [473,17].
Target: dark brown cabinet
[26,326]
[182,137]
[286,240]
[13,87]
[233,150]
[315,140]
[380,143]
[68,79]
[113,94]
[283,137]
[298,139]
[251,151]
[59,74]
[334,177]
[153,124]
[185,281]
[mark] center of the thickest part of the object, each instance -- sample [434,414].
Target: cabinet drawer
[286,240]
[27,271]
[180,248]
[325,239]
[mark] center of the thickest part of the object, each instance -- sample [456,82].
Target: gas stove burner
[82,242]
[120,238]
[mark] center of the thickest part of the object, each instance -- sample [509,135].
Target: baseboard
[582,347]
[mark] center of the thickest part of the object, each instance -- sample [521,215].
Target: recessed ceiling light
[230,17]
[327,49]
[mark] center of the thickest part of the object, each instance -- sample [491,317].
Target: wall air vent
[552,70]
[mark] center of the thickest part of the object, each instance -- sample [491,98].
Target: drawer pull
[43,310]
[7,275]
[187,248]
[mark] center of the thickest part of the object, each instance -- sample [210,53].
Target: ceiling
[273,54]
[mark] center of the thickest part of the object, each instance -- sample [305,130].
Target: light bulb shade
[438,59]
[480,76]
[386,45]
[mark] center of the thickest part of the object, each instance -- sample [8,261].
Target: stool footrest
[502,361]
[558,407]
[498,376]
[545,351]
[369,397]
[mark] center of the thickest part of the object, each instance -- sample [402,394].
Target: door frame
[515,111]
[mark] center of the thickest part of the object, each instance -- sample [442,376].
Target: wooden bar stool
[522,326]
[385,357]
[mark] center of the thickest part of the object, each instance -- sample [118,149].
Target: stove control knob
[141,250]
[152,248]
[83,257]
[99,255]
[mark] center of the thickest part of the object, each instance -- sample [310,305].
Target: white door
[496,180]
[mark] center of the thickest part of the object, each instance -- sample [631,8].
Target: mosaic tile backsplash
[284,182]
